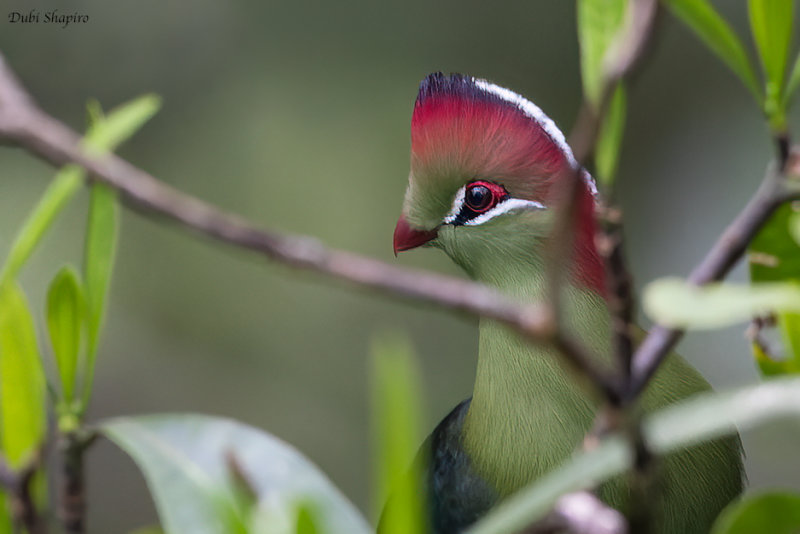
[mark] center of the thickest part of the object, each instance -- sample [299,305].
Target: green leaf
[120,124]
[766,364]
[793,83]
[701,17]
[101,233]
[533,502]
[306,520]
[101,242]
[94,112]
[771,24]
[63,187]
[396,402]
[789,324]
[675,303]
[22,384]
[776,513]
[6,526]
[273,518]
[793,221]
[610,138]
[704,417]
[102,136]
[183,458]
[711,415]
[21,376]
[774,256]
[599,23]
[65,323]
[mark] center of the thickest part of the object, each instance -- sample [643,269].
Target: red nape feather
[590,272]
[482,129]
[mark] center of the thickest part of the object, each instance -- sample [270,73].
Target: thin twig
[755,335]
[625,55]
[610,246]
[18,485]
[645,499]
[729,248]
[72,490]
[621,60]
[783,145]
[8,478]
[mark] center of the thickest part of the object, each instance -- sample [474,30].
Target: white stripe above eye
[535,112]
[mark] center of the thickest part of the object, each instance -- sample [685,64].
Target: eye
[474,201]
[478,198]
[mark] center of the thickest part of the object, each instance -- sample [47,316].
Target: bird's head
[484,161]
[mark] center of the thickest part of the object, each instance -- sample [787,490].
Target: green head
[483,164]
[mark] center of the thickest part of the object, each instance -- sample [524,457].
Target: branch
[610,245]
[622,58]
[72,490]
[22,123]
[755,334]
[625,55]
[776,188]
[17,485]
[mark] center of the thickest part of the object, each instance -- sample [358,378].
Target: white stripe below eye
[505,207]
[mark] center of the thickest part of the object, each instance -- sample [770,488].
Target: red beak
[406,238]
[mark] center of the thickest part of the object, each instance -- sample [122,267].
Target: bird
[485,164]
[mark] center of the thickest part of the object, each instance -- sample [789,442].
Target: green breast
[529,415]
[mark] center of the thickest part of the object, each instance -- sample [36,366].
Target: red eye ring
[481,196]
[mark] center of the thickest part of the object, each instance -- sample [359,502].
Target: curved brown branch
[22,123]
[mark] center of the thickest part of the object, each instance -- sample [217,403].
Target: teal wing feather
[456,495]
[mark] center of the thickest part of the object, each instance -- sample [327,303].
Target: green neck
[523,392]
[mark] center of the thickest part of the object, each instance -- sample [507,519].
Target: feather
[466,124]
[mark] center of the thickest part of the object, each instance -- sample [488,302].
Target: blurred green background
[296,115]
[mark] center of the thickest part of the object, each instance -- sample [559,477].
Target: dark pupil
[478,197]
